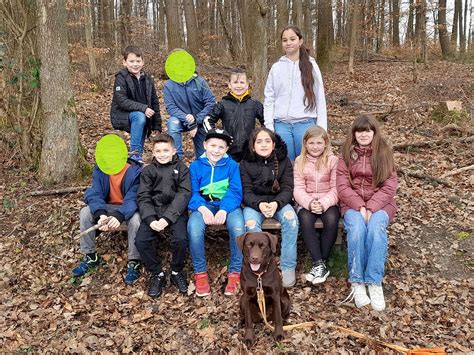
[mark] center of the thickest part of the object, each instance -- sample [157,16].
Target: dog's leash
[263,311]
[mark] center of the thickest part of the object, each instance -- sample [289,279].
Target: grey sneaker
[377,300]
[288,278]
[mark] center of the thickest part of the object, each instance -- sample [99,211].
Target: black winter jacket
[165,190]
[258,174]
[125,100]
[238,118]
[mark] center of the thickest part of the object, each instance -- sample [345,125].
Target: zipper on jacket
[189,102]
[291,89]
[210,183]
[363,177]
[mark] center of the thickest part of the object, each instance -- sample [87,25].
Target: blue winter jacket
[192,97]
[97,196]
[218,185]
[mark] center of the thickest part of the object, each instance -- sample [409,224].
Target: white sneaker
[377,300]
[288,278]
[360,295]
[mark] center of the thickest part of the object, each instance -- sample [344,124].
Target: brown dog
[258,251]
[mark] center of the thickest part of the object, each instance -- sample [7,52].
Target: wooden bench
[273,224]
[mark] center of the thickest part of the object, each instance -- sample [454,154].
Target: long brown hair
[306,69]
[311,132]
[382,154]
[276,165]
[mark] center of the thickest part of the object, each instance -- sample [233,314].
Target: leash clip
[259,283]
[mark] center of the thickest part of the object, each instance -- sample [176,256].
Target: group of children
[284,170]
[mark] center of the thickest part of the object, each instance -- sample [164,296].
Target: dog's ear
[241,240]
[273,241]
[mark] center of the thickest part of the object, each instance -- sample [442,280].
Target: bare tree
[89,39]
[442,27]
[172,24]
[353,42]
[192,34]
[59,154]
[410,33]
[396,21]
[324,34]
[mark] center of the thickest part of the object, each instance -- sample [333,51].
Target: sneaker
[202,284]
[288,278]
[377,300]
[136,156]
[179,280]
[87,263]
[133,272]
[157,282]
[318,274]
[233,281]
[360,295]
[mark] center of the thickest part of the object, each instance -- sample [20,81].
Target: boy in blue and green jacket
[215,200]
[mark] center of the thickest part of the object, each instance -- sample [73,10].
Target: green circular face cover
[180,66]
[111,154]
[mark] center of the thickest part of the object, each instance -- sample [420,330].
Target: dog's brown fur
[260,248]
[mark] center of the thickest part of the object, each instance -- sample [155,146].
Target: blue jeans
[367,246]
[292,134]
[289,232]
[137,130]
[197,229]
[176,129]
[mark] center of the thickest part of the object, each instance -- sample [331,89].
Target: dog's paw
[249,338]
[279,335]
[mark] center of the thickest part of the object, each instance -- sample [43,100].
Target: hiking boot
[202,284]
[318,274]
[87,263]
[377,300]
[360,295]
[179,280]
[233,281]
[133,272]
[157,282]
[288,278]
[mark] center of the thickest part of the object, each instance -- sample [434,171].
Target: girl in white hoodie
[294,93]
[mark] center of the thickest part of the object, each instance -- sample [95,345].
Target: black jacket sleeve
[121,98]
[286,184]
[180,202]
[155,106]
[250,199]
[145,201]
[259,113]
[214,116]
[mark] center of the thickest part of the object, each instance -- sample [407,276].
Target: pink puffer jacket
[313,184]
[359,192]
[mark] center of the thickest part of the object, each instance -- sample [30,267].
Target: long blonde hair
[314,132]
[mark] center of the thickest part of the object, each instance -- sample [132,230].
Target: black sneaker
[179,280]
[319,272]
[157,282]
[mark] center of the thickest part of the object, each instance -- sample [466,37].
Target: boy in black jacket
[163,196]
[135,108]
[238,112]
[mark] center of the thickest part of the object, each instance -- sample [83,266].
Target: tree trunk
[409,34]
[257,46]
[233,48]
[323,35]
[443,33]
[420,30]
[381,27]
[192,34]
[59,155]
[396,22]
[282,20]
[89,39]
[339,22]
[297,13]
[464,29]
[125,25]
[162,34]
[353,41]
[172,25]
[454,29]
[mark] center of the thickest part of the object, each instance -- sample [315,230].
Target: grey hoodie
[284,95]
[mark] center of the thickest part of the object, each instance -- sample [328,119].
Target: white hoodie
[284,95]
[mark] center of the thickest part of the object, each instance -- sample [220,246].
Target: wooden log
[423,176]
[58,191]
[457,171]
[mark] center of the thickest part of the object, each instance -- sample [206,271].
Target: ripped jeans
[289,232]
[367,246]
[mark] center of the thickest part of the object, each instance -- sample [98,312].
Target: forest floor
[429,271]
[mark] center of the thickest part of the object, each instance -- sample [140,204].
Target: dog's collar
[259,277]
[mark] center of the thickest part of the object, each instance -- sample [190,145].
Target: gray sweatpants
[88,244]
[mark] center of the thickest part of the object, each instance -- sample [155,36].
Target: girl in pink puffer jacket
[316,194]
[366,185]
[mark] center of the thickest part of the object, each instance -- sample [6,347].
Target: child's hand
[363,212]
[316,207]
[273,207]
[369,214]
[159,225]
[193,132]
[190,118]
[102,222]
[207,215]
[265,208]
[220,217]
[112,224]
[149,112]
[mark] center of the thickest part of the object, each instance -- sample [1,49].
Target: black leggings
[319,247]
